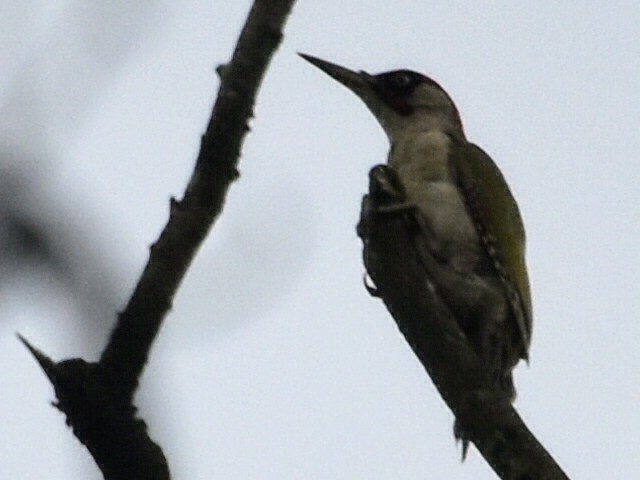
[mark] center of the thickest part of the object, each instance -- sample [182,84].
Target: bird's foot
[402,207]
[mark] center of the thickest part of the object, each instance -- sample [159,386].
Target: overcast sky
[275,362]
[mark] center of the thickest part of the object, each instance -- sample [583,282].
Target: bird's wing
[498,220]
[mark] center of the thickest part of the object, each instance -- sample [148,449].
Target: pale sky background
[275,362]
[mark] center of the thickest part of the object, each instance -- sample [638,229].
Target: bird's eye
[402,81]
[399,83]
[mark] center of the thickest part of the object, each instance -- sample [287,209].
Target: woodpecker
[472,219]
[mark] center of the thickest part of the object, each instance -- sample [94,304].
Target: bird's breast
[421,161]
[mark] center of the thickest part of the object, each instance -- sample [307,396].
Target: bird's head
[403,101]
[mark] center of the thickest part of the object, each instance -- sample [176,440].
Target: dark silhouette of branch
[192,217]
[97,398]
[403,271]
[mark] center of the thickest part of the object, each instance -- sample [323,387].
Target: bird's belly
[455,238]
[421,162]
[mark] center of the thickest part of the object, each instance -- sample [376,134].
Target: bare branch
[192,217]
[97,398]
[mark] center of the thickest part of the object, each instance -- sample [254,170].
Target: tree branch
[404,272]
[97,398]
[192,217]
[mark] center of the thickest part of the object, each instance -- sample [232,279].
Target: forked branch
[97,398]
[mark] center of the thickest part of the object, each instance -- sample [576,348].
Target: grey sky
[275,363]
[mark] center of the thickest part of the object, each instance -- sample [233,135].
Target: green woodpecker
[472,220]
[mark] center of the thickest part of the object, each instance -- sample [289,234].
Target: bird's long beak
[358,82]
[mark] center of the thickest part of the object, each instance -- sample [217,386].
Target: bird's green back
[497,218]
